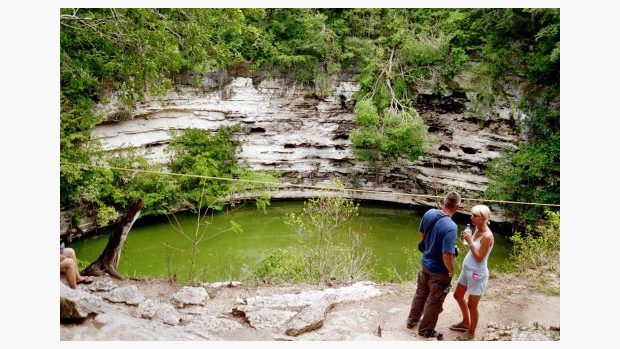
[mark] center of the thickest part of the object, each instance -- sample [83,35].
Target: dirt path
[505,303]
[392,310]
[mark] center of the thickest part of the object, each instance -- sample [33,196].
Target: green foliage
[366,114]
[382,138]
[105,215]
[521,45]
[75,145]
[331,251]
[196,152]
[413,258]
[159,192]
[398,54]
[133,52]
[533,251]
[283,266]
[530,174]
[543,114]
[299,41]
[106,193]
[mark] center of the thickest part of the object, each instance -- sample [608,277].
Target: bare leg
[459,295]
[472,305]
[69,267]
[70,253]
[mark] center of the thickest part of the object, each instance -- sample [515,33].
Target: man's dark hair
[452,200]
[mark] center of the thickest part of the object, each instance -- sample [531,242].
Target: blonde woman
[475,273]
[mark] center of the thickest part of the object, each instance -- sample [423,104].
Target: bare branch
[394,103]
[216,234]
[374,88]
[73,17]
[178,225]
[179,229]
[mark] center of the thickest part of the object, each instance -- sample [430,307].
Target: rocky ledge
[125,313]
[161,310]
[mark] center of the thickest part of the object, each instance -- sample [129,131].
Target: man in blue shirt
[439,234]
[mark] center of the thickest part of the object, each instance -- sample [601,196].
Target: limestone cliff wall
[284,127]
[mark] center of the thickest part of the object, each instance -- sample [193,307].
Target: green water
[156,249]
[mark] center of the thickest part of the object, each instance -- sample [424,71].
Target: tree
[132,53]
[523,45]
[383,137]
[111,256]
[529,174]
[398,55]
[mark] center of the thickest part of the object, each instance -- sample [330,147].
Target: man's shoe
[411,325]
[431,334]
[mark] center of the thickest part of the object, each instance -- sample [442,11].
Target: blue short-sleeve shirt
[440,239]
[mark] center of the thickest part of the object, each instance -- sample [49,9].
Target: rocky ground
[512,309]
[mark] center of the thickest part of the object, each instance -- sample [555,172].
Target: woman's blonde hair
[482,210]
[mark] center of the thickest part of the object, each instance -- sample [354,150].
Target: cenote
[154,249]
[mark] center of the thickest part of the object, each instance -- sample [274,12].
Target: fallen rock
[309,319]
[264,318]
[78,304]
[102,284]
[125,294]
[295,314]
[189,295]
[165,312]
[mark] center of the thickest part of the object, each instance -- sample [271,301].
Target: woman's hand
[467,237]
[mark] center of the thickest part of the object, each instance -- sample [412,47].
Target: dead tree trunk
[111,255]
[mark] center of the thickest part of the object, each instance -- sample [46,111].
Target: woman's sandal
[459,327]
[465,337]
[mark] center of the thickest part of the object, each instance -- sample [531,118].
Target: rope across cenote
[305,186]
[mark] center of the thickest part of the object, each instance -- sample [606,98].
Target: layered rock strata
[286,128]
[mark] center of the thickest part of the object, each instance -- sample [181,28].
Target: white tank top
[470,262]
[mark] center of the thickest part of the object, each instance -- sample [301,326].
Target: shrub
[412,267]
[332,249]
[533,250]
[282,266]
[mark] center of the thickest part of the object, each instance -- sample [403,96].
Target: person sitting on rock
[68,266]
